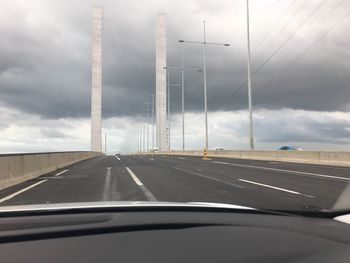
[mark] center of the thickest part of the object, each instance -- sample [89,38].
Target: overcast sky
[300,56]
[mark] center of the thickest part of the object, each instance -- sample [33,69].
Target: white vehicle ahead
[218,148]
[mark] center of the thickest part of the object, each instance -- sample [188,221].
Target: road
[258,184]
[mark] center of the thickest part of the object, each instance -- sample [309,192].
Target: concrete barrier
[309,157]
[17,168]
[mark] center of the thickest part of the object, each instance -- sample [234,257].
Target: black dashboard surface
[172,236]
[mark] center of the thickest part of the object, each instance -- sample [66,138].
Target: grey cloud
[303,129]
[310,130]
[53,133]
[45,67]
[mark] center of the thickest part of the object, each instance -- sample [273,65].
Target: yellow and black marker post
[205,154]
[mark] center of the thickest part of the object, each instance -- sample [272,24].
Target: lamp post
[182,68]
[153,120]
[144,128]
[147,126]
[168,104]
[205,43]
[106,143]
[139,136]
[250,103]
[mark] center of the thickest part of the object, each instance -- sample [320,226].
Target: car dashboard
[171,235]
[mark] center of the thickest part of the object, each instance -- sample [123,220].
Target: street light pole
[142,132]
[144,129]
[106,143]
[168,104]
[251,132]
[138,137]
[153,121]
[205,86]
[205,43]
[183,99]
[147,126]
[182,68]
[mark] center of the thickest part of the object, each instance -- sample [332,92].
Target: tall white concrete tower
[96,86]
[161,127]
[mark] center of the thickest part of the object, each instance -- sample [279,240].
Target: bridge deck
[259,184]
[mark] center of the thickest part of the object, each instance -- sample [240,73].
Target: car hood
[116,204]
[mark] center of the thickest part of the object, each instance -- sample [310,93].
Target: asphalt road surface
[258,184]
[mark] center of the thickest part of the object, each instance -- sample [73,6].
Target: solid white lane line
[117,158]
[107,189]
[276,188]
[20,191]
[148,194]
[285,171]
[181,158]
[313,165]
[220,162]
[210,178]
[61,172]
[133,176]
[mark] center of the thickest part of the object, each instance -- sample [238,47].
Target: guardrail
[17,168]
[311,157]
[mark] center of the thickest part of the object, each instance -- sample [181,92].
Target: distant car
[117,154]
[290,148]
[155,150]
[218,149]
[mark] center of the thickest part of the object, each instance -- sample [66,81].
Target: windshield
[234,102]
